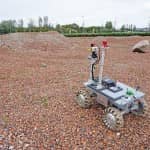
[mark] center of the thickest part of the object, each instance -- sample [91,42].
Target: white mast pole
[101,64]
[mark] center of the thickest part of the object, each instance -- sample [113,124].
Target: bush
[108,34]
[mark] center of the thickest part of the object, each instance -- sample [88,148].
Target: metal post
[101,64]
[90,80]
[91,72]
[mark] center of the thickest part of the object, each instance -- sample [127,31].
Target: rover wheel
[113,118]
[84,99]
[143,109]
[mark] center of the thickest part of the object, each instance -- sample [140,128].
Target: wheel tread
[87,102]
[117,114]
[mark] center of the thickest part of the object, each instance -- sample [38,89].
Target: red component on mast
[104,43]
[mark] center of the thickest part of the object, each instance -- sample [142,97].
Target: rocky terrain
[40,74]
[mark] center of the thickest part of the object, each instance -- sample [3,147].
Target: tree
[45,21]
[40,22]
[2,29]
[134,28]
[149,26]
[131,27]
[14,23]
[31,23]
[74,26]
[20,23]
[8,26]
[127,27]
[69,28]
[51,27]
[58,27]
[123,28]
[108,25]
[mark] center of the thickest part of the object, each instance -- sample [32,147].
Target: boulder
[141,46]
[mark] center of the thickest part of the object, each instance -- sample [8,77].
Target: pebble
[118,134]
[43,65]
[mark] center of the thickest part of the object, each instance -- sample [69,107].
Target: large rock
[140,46]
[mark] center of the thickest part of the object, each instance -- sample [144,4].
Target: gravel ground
[38,88]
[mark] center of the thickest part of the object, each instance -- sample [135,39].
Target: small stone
[1,137]
[26,145]
[11,147]
[43,65]
[118,134]
[20,142]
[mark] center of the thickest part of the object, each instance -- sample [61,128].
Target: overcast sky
[93,12]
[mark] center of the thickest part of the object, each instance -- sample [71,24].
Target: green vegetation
[44,101]
[71,30]
[11,26]
[108,34]
[7,26]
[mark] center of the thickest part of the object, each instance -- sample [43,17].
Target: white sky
[93,12]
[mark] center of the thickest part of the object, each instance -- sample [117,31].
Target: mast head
[104,44]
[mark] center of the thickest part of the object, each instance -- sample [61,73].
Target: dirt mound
[35,41]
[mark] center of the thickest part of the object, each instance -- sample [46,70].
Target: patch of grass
[4,120]
[44,101]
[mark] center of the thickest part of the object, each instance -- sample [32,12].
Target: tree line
[11,26]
